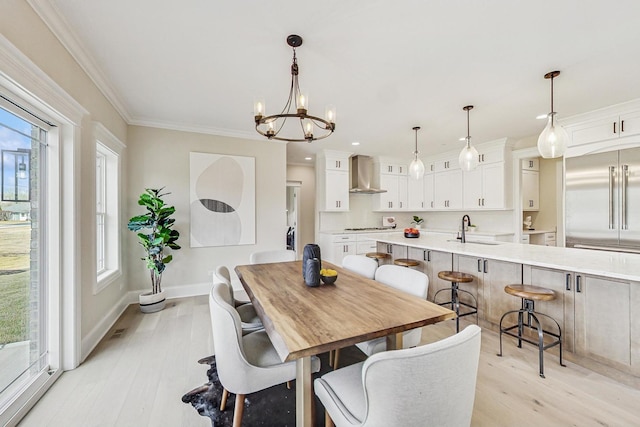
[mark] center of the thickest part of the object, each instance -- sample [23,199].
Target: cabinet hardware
[422,204]
[479,265]
[426,256]
[400,169]
[482,202]
[625,180]
[621,126]
[578,283]
[479,202]
[531,164]
[614,127]
[482,155]
[486,265]
[400,205]
[431,203]
[568,282]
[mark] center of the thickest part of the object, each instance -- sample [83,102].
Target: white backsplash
[361,215]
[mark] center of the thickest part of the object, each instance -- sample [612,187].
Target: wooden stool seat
[531,292]
[406,262]
[377,255]
[455,276]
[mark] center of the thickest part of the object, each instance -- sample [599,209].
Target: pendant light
[468,158]
[553,140]
[416,168]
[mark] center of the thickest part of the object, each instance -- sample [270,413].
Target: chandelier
[271,126]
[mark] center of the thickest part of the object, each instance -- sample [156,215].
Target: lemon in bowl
[328,276]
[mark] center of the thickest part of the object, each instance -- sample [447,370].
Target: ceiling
[386,66]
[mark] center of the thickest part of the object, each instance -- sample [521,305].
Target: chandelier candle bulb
[303,103]
[258,109]
[330,114]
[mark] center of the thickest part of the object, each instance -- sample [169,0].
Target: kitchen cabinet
[429,194]
[334,247]
[332,172]
[416,194]
[395,251]
[484,187]
[491,276]
[606,128]
[545,239]
[530,164]
[393,178]
[530,190]
[432,263]
[448,189]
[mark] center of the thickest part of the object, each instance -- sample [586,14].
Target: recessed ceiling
[386,66]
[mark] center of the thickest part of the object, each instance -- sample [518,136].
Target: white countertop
[343,231]
[423,231]
[536,231]
[600,263]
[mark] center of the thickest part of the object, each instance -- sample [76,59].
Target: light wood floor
[137,377]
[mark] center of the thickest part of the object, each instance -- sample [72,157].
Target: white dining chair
[361,265]
[365,267]
[407,280]
[245,363]
[268,257]
[250,320]
[430,385]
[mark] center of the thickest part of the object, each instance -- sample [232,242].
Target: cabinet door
[630,124]
[472,188]
[530,164]
[336,190]
[530,190]
[562,308]
[497,275]
[448,189]
[403,193]
[341,250]
[429,201]
[602,320]
[337,163]
[597,130]
[493,186]
[434,262]
[416,194]
[473,266]
[387,201]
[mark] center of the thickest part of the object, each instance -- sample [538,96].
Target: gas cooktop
[368,228]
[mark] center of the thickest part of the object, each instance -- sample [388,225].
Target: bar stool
[378,256]
[406,262]
[529,294]
[456,277]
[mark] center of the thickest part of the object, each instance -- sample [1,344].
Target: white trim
[17,409]
[208,130]
[92,339]
[62,30]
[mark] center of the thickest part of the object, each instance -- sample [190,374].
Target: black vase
[310,251]
[312,272]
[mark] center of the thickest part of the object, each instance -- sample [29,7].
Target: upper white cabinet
[390,176]
[447,188]
[488,186]
[530,164]
[429,187]
[332,170]
[530,190]
[607,129]
[416,194]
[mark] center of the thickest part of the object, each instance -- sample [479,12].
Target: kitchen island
[597,293]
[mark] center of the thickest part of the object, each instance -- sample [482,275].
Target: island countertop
[615,265]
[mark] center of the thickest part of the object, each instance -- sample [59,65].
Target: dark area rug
[275,406]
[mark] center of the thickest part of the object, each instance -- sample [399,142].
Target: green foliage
[417,220]
[155,233]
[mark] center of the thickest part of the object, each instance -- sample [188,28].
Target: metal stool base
[528,308]
[455,303]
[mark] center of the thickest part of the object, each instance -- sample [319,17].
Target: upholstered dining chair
[430,385]
[365,267]
[250,320]
[361,265]
[267,257]
[245,363]
[407,280]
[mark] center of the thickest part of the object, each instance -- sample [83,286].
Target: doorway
[293,213]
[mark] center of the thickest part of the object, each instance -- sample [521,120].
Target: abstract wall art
[223,200]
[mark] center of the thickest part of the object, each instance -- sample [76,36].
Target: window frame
[109,150]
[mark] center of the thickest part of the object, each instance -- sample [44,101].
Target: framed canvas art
[222,198]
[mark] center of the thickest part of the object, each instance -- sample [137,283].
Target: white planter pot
[150,303]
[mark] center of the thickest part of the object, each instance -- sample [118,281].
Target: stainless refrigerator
[602,201]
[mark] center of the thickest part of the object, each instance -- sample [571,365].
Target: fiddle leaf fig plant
[155,233]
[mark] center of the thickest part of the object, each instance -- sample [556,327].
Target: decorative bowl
[329,279]
[412,235]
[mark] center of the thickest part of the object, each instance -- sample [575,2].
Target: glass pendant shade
[468,157]
[553,140]
[416,169]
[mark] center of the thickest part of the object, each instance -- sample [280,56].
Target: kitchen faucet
[468,220]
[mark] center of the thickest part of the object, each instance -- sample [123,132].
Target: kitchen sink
[476,242]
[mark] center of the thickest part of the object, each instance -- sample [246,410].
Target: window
[108,149]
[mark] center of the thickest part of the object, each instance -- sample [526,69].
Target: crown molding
[209,130]
[62,31]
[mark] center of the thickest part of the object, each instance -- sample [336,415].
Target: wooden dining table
[304,321]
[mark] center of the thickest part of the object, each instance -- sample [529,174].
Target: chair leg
[223,401]
[328,422]
[331,353]
[288,385]
[238,410]
[336,358]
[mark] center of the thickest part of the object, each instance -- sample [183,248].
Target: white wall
[160,157]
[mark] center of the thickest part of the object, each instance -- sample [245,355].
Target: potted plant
[155,235]
[417,221]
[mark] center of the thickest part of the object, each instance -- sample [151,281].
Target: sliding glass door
[23,288]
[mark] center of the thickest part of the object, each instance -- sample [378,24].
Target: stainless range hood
[361,175]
